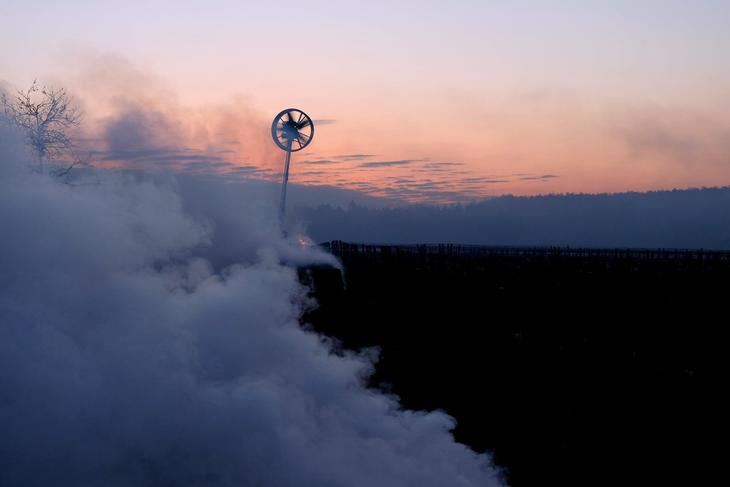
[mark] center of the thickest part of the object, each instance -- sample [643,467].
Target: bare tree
[46,115]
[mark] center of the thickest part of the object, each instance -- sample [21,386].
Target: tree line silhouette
[689,218]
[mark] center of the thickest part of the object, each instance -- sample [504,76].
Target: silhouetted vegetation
[689,218]
[46,116]
[573,367]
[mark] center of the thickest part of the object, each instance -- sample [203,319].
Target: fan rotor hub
[290,130]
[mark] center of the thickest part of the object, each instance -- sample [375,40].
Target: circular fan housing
[292,130]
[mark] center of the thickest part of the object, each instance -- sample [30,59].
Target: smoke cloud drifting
[149,335]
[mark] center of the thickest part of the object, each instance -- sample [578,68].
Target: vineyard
[570,366]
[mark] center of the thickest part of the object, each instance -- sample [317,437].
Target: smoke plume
[149,335]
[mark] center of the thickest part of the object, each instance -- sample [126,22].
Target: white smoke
[149,336]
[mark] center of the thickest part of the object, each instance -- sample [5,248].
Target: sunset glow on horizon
[419,101]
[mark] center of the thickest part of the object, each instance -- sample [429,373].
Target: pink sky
[424,101]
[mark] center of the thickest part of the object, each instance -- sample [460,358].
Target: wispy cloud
[484,180]
[320,161]
[244,169]
[163,155]
[544,177]
[355,157]
[434,165]
[401,162]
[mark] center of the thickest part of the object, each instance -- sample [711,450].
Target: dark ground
[571,367]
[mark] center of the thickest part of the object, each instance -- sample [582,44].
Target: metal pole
[284,181]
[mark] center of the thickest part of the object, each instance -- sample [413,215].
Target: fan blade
[304,124]
[288,114]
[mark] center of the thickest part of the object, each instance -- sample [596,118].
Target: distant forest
[692,218]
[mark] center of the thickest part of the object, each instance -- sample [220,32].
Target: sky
[417,101]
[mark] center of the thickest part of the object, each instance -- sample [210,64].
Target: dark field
[572,367]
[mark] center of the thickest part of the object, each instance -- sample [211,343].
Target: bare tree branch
[45,115]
